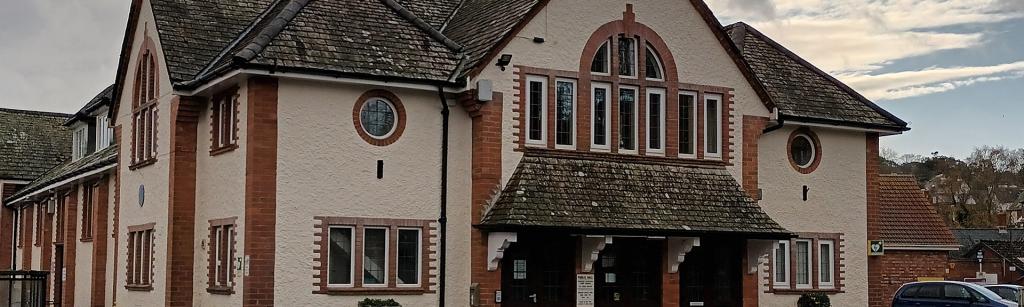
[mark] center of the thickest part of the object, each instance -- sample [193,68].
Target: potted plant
[372,302]
[813,300]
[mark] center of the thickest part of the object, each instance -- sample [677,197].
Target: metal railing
[23,288]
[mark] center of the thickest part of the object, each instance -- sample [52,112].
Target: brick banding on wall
[181,213]
[400,117]
[875,287]
[260,191]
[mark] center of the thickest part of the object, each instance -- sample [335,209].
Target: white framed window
[713,125]
[410,251]
[104,133]
[565,114]
[601,65]
[826,264]
[655,111]
[780,265]
[627,56]
[687,124]
[653,69]
[802,251]
[627,119]
[600,117]
[375,257]
[341,256]
[80,142]
[536,110]
[222,243]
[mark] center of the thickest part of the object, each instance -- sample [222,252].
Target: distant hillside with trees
[973,192]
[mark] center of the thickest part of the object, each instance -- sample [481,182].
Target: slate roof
[103,98]
[968,237]
[907,214]
[608,194]
[802,91]
[1012,252]
[480,24]
[69,169]
[31,142]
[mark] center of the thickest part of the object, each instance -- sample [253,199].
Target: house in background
[31,143]
[67,213]
[1000,249]
[917,240]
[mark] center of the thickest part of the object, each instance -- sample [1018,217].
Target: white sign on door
[584,290]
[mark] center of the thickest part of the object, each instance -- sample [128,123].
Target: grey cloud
[753,9]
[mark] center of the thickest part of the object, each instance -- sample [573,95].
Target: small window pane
[781,262]
[686,124]
[564,115]
[375,256]
[340,262]
[377,117]
[600,63]
[408,256]
[600,116]
[536,109]
[712,126]
[957,292]
[802,150]
[803,261]
[627,56]
[654,124]
[652,65]
[825,256]
[627,119]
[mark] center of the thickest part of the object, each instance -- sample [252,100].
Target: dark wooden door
[539,271]
[712,274]
[58,276]
[628,274]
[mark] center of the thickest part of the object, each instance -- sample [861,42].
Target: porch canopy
[621,195]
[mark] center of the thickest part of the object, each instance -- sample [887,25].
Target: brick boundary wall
[875,266]
[99,247]
[260,191]
[182,201]
[900,267]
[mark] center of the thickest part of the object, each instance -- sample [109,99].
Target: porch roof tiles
[594,193]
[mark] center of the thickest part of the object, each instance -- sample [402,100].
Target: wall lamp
[504,60]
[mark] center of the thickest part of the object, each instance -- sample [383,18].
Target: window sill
[142,288]
[85,239]
[223,149]
[141,164]
[803,291]
[371,291]
[221,290]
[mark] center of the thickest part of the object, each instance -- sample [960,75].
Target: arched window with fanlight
[652,65]
[144,100]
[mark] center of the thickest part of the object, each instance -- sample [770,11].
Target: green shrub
[372,302]
[814,300]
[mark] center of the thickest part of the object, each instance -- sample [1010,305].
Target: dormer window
[80,142]
[104,133]
[602,59]
[144,121]
[653,67]
[627,56]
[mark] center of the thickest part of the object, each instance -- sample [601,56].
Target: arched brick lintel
[612,29]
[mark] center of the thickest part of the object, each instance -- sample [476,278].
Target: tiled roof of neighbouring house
[803,92]
[69,169]
[907,215]
[968,237]
[1011,251]
[31,142]
[597,193]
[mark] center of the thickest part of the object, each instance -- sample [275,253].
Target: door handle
[533,297]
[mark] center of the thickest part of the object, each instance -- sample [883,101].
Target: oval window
[377,117]
[801,150]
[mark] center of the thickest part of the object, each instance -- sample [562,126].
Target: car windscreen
[1005,293]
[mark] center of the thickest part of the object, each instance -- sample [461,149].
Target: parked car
[1012,293]
[947,293]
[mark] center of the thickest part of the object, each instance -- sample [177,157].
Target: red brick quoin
[399,114]
[182,200]
[260,191]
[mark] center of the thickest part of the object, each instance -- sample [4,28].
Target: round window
[377,117]
[802,150]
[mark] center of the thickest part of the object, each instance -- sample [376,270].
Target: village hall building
[486,153]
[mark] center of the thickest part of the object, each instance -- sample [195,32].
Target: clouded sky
[954,69]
